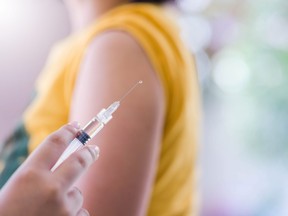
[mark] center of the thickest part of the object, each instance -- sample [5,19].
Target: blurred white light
[231,73]
[28,30]
[14,20]
[196,32]
[193,5]
[273,29]
[8,14]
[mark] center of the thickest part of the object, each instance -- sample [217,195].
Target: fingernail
[75,124]
[94,150]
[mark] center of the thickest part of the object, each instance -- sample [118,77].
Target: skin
[121,182]
[35,190]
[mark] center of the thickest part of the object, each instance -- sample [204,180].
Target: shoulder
[114,61]
[119,54]
[115,42]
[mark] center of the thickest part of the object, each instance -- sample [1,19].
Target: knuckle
[57,139]
[61,136]
[81,161]
[65,211]
[69,129]
[28,175]
[54,193]
[94,152]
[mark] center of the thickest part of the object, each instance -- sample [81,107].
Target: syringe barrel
[73,146]
[88,132]
[93,127]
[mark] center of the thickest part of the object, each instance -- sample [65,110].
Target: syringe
[92,128]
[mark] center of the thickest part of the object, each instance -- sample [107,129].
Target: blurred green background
[242,53]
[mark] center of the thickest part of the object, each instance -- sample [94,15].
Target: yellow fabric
[174,188]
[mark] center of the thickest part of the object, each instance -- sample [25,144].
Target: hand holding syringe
[92,128]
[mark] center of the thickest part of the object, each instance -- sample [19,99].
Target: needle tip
[131,89]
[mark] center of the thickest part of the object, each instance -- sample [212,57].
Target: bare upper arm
[119,183]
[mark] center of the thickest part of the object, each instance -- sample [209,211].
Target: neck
[84,12]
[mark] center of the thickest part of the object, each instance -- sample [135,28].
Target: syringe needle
[130,90]
[92,128]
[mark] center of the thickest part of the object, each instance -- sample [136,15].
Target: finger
[46,155]
[70,170]
[74,200]
[83,212]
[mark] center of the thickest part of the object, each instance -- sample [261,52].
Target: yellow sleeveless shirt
[174,188]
